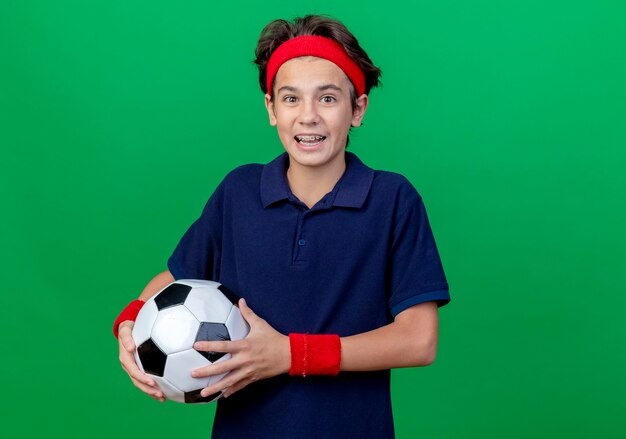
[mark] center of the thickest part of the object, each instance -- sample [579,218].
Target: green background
[119,118]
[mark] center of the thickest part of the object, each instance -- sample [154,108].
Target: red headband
[312,45]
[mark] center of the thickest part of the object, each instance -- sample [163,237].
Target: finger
[232,389]
[215,369]
[153,391]
[229,380]
[126,338]
[128,343]
[158,399]
[141,377]
[218,346]
[143,386]
[131,368]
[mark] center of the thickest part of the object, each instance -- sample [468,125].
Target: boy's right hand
[127,358]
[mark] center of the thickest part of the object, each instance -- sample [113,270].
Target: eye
[290,99]
[328,99]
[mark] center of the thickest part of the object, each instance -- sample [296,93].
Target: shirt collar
[350,191]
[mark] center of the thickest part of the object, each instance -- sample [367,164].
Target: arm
[157,283]
[410,340]
[127,345]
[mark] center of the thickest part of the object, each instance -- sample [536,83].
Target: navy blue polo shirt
[363,254]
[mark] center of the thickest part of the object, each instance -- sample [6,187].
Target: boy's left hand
[264,353]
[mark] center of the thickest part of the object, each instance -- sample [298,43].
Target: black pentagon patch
[234,299]
[152,358]
[174,294]
[195,397]
[212,332]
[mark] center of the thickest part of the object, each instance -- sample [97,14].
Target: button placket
[300,243]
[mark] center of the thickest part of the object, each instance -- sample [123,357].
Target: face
[312,112]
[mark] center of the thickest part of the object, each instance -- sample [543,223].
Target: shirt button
[301,242]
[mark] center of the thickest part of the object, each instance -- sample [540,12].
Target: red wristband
[128,313]
[315,354]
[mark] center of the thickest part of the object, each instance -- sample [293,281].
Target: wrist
[314,354]
[128,314]
[286,349]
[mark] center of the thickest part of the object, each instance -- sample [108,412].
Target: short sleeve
[416,272]
[198,252]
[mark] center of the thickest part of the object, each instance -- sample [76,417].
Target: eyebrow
[323,87]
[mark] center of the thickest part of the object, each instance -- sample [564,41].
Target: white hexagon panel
[175,329]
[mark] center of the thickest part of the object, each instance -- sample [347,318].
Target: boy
[337,260]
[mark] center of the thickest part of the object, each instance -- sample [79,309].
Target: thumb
[127,339]
[247,312]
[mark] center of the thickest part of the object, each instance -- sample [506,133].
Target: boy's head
[278,32]
[281,54]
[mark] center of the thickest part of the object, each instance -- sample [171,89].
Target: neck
[310,184]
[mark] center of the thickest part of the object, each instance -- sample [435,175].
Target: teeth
[310,138]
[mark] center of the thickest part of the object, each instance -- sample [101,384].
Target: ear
[270,109]
[359,110]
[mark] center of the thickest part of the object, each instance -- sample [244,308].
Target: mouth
[309,140]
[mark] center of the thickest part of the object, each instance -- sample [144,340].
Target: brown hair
[279,31]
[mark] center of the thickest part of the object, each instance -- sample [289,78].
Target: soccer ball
[171,321]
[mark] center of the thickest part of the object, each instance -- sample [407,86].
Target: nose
[308,113]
